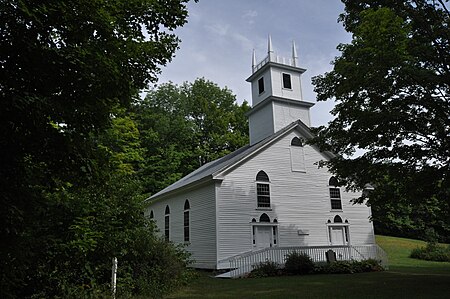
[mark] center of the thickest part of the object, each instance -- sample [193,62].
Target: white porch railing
[245,263]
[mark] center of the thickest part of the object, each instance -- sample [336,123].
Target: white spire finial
[269,46]
[294,54]
[253,59]
[270,49]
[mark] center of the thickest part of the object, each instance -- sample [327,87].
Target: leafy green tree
[121,145]
[184,127]
[391,86]
[66,66]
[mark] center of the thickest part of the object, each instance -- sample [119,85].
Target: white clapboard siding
[285,113]
[261,124]
[202,215]
[295,93]
[299,201]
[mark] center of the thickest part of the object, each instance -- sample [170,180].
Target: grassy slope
[398,250]
[407,278]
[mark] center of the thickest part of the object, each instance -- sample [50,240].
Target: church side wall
[300,202]
[202,215]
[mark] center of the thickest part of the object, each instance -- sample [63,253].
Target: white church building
[269,197]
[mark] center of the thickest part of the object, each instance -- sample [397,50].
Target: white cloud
[249,16]
[218,29]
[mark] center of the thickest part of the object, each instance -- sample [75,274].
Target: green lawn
[406,278]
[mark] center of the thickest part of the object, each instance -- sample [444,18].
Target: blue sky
[218,40]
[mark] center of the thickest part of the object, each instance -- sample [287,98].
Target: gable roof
[217,168]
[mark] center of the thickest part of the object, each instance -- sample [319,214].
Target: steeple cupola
[277,98]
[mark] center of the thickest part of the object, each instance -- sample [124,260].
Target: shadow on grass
[406,278]
[365,285]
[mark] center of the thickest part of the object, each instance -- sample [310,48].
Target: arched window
[187,206]
[333,182]
[262,190]
[167,223]
[335,194]
[253,220]
[262,176]
[296,142]
[337,219]
[151,214]
[297,155]
[264,218]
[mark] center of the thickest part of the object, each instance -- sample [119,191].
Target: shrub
[96,224]
[265,269]
[432,252]
[298,263]
[369,265]
[341,267]
[348,267]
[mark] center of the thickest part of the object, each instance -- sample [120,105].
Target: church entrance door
[263,237]
[337,235]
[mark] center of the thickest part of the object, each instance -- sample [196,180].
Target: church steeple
[276,94]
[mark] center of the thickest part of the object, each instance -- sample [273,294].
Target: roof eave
[161,195]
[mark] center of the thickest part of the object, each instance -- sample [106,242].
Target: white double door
[337,235]
[263,237]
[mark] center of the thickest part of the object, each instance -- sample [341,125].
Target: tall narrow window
[287,81]
[151,214]
[297,155]
[335,194]
[187,206]
[262,190]
[167,223]
[261,85]
[274,232]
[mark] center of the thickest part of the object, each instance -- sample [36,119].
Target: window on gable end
[335,194]
[262,190]
[297,155]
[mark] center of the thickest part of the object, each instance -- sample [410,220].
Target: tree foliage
[68,67]
[184,127]
[391,85]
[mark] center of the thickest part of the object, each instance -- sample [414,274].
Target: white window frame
[263,85]
[297,152]
[167,224]
[258,207]
[187,212]
[282,81]
[335,199]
